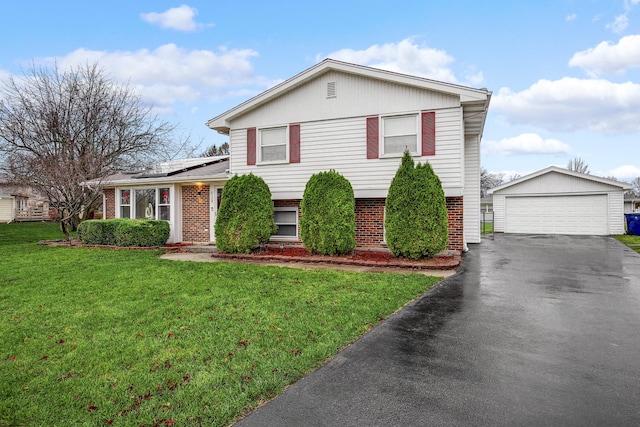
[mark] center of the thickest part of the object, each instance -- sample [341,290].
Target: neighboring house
[486,204]
[21,203]
[558,201]
[631,203]
[185,192]
[358,121]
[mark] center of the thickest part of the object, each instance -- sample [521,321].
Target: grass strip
[632,241]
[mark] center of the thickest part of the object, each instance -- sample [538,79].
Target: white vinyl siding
[341,145]
[359,96]
[471,199]
[399,133]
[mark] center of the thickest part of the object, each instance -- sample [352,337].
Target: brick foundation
[369,218]
[195,214]
[456,224]
[370,222]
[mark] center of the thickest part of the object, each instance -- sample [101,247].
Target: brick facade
[456,224]
[195,213]
[369,217]
[110,203]
[370,222]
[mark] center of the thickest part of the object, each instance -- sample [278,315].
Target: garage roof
[556,169]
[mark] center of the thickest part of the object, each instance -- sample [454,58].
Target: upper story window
[400,133]
[273,145]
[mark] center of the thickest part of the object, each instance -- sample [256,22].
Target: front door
[215,197]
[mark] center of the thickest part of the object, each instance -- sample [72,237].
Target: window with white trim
[145,203]
[400,133]
[272,145]
[125,203]
[286,218]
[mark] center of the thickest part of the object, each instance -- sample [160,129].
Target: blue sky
[565,74]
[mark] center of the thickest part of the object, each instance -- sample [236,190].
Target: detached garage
[558,201]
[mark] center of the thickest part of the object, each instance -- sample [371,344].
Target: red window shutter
[429,133]
[251,146]
[294,143]
[373,141]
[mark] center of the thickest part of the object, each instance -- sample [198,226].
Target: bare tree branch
[578,165]
[60,129]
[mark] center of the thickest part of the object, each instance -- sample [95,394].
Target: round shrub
[416,218]
[328,223]
[98,231]
[245,217]
[141,232]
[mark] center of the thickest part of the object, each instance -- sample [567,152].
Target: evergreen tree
[416,218]
[328,223]
[245,217]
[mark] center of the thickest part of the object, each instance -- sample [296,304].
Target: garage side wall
[498,213]
[616,214]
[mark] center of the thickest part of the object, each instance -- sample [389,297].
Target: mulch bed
[358,257]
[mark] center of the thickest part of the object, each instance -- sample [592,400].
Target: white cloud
[407,57]
[570,104]
[609,58]
[571,17]
[526,143]
[170,74]
[619,24]
[181,18]
[625,173]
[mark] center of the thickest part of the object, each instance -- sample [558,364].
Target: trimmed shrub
[328,223]
[98,231]
[141,232]
[245,217]
[416,218]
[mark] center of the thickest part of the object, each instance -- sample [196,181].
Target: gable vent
[331,90]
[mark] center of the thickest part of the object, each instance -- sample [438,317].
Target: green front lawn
[632,241]
[121,337]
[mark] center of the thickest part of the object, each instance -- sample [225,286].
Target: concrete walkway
[536,330]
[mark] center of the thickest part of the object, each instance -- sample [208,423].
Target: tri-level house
[359,120]
[354,119]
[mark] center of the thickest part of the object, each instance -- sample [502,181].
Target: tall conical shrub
[245,217]
[328,223]
[416,218]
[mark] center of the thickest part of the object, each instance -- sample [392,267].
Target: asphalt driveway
[536,330]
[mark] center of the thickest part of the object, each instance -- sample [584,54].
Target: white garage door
[586,215]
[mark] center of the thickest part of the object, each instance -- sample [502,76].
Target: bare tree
[214,150]
[578,165]
[60,129]
[489,180]
[635,187]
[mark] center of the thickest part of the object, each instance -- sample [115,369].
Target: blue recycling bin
[633,223]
